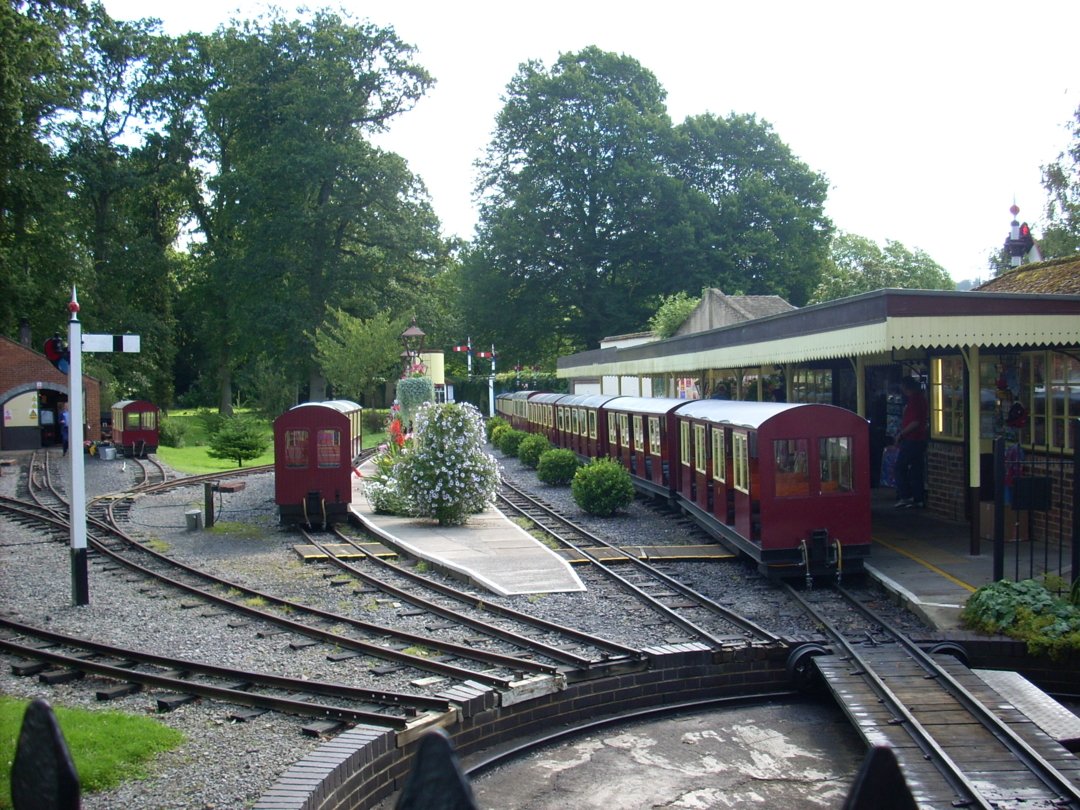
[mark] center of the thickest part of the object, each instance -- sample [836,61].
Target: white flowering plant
[443,472]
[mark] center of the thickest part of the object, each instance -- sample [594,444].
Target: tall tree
[299,210]
[573,194]
[1061,236]
[859,265]
[764,231]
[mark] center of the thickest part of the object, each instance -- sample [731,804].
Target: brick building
[32,393]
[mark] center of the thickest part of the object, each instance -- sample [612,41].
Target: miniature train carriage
[135,424]
[641,437]
[316,447]
[787,484]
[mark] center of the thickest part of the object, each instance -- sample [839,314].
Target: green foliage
[239,437]
[172,431]
[445,473]
[382,485]
[858,265]
[107,747]
[376,419]
[492,424]
[672,313]
[357,355]
[1026,610]
[412,392]
[1061,178]
[602,487]
[557,467]
[531,448]
[508,441]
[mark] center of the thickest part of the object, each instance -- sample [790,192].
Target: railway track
[683,606]
[953,748]
[57,658]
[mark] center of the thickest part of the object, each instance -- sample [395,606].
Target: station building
[1012,343]
[32,393]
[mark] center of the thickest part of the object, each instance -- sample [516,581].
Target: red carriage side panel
[135,426]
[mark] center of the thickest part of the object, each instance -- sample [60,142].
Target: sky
[928,119]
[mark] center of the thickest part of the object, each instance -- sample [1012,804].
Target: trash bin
[194,519]
[108,453]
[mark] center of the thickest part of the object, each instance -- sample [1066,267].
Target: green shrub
[508,441]
[171,432]
[557,467]
[602,487]
[531,448]
[493,423]
[1049,625]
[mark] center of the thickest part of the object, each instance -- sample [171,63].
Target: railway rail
[954,750]
[660,592]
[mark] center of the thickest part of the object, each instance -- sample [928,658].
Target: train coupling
[821,554]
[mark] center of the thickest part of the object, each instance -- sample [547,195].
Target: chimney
[24,332]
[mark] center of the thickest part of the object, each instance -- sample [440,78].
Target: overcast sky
[928,119]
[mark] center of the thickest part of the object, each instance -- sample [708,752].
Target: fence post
[999,509]
[43,777]
[1075,532]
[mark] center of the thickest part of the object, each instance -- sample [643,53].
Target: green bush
[602,487]
[171,432]
[509,440]
[493,423]
[1048,624]
[531,448]
[557,467]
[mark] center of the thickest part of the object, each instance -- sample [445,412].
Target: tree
[295,207]
[762,229]
[357,355]
[574,197]
[240,437]
[672,313]
[859,265]
[1061,236]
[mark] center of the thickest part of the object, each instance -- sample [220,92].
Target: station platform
[490,551]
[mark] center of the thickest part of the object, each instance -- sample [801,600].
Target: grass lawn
[107,747]
[193,457]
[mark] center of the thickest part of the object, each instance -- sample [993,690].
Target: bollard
[194,520]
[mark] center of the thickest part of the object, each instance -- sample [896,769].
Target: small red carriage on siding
[135,426]
[316,446]
[788,484]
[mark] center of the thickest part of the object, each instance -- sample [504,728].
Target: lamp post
[413,341]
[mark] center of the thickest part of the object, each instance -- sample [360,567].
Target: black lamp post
[413,341]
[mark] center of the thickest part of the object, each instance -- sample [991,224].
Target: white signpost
[77,343]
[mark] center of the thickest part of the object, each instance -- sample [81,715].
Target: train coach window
[719,471]
[639,433]
[611,432]
[684,443]
[592,424]
[328,443]
[654,435]
[740,450]
[699,448]
[624,430]
[835,455]
[792,471]
[296,448]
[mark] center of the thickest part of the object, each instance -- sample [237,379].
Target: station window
[718,462]
[654,435]
[947,407]
[812,385]
[684,443]
[792,469]
[296,449]
[699,448]
[834,453]
[740,451]
[328,448]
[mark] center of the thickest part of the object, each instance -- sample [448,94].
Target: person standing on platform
[912,439]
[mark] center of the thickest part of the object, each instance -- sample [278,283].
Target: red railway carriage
[135,426]
[316,446]
[640,431]
[591,439]
[789,484]
[542,416]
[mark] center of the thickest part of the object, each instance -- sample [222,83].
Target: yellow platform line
[928,565]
